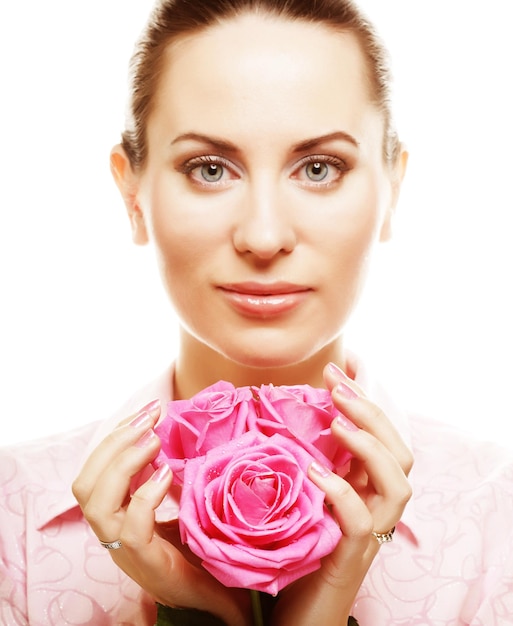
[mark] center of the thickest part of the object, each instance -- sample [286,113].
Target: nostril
[264,240]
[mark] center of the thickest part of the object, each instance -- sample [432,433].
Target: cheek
[349,237]
[352,224]
[183,266]
[180,255]
[183,235]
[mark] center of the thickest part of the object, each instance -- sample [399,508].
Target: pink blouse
[450,564]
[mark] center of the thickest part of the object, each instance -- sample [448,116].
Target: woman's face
[265,187]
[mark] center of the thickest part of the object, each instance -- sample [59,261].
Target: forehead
[266,72]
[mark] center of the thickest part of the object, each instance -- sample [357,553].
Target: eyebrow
[315,141]
[302,146]
[215,142]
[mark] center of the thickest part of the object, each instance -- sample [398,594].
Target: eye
[317,171]
[208,171]
[320,171]
[212,173]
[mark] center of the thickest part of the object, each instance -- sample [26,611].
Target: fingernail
[146,439]
[346,391]
[141,418]
[346,424]
[161,473]
[151,407]
[337,371]
[145,414]
[319,469]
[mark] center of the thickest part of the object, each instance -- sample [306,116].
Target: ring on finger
[385,537]
[111,545]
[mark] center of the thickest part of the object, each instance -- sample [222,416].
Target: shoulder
[456,458]
[53,459]
[35,482]
[47,460]
[462,494]
[50,561]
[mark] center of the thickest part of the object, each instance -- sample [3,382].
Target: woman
[261,161]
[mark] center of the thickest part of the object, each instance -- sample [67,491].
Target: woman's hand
[370,498]
[103,492]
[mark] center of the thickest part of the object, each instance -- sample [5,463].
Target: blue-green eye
[317,171]
[212,172]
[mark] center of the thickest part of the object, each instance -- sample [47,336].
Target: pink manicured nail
[161,473]
[146,439]
[141,418]
[145,414]
[346,391]
[335,369]
[319,469]
[151,407]
[346,424]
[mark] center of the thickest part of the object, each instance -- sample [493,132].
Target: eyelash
[339,164]
[195,163]
[189,166]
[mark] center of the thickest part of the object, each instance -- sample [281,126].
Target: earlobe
[398,174]
[127,183]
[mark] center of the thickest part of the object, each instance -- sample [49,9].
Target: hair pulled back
[172,19]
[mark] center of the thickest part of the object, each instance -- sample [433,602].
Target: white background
[84,321]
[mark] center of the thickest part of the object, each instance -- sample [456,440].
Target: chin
[270,355]
[266,361]
[259,348]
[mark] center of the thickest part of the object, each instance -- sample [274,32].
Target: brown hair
[171,19]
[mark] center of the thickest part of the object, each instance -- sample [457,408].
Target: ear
[397,176]
[127,182]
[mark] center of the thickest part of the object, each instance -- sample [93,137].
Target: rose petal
[263,538]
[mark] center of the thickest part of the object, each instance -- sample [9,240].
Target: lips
[264,300]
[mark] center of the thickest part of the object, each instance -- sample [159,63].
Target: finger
[348,508]
[139,523]
[369,417]
[334,375]
[153,408]
[160,566]
[123,436]
[365,414]
[105,508]
[356,524]
[383,468]
[150,559]
[379,480]
[330,590]
[143,552]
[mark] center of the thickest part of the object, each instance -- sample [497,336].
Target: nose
[264,225]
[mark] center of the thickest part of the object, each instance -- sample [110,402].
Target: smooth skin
[264,193]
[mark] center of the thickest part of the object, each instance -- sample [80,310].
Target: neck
[199,366]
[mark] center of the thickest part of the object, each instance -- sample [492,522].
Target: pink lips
[264,300]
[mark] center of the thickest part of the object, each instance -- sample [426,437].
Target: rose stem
[258,619]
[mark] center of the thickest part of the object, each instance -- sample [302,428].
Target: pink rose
[212,417]
[251,514]
[304,413]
